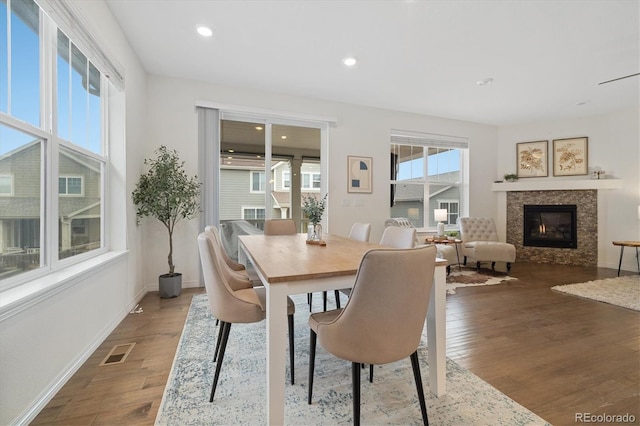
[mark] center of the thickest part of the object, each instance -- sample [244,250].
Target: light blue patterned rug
[240,396]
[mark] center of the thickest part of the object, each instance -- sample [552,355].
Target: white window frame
[447,203]
[67,177]
[311,181]
[11,186]
[286,180]
[51,144]
[262,183]
[256,208]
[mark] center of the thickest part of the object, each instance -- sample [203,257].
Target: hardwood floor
[555,354]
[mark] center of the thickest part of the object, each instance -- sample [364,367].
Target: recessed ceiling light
[232,150]
[283,136]
[258,128]
[204,31]
[350,61]
[484,82]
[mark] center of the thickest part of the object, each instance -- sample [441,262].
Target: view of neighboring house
[79,202]
[243,185]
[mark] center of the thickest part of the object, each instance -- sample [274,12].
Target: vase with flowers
[313,208]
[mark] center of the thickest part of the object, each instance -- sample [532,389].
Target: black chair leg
[493,266]
[215,353]
[226,327]
[508,267]
[337,295]
[478,265]
[416,375]
[355,374]
[324,301]
[291,354]
[312,361]
[464,262]
[370,373]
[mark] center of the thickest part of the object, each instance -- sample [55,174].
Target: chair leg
[493,266]
[464,262]
[312,361]
[220,333]
[337,295]
[226,327]
[291,354]
[324,301]
[418,378]
[370,373]
[355,377]
[478,265]
[508,266]
[310,300]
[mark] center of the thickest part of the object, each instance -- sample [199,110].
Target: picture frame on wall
[532,159]
[359,174]
[570,157]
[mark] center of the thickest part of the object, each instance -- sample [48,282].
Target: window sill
[19,298]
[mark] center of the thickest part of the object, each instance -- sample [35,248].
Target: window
[72,225]
[6,185]
[286,180]
[70,185]
[427,173]
[311,181]
[258,181]
[253,213]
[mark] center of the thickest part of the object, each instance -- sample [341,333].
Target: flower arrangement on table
[313,208]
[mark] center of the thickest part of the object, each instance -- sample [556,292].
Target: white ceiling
[546,57]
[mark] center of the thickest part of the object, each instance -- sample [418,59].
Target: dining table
[287,265]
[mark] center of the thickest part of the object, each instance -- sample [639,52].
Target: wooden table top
[283,258]
[627,243]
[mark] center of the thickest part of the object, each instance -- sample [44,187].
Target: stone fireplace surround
[584,193]
[586,202]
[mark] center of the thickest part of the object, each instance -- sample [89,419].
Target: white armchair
[480,242]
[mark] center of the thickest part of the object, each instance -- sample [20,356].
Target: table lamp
[440,215]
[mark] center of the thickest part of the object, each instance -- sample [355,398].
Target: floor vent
[118,354]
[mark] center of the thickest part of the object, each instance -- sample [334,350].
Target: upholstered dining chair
[232,267]
[359,232]
[383,319]
[230,305]
[398,237]
[280,227]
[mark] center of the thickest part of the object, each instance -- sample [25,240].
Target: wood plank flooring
[555,354]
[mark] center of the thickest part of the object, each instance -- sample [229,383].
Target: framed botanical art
[359,177]
[570,157]
[532,158]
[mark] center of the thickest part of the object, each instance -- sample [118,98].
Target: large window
[427,173]
[52,157]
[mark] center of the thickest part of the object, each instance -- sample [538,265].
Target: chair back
[235,279]
[397,237]
[225,256]
[280,227]
[384,317]
[360,232]
[226,304]
[477,229]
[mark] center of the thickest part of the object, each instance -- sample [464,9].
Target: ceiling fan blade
[619,78]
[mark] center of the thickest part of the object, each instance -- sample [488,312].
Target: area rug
[620,291]
[240,396]
[471,277]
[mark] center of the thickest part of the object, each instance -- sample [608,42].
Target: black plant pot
[170,285]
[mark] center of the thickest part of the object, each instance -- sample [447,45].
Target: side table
[624,244]
[446,241]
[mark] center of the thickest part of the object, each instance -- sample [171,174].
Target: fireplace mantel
[556,185]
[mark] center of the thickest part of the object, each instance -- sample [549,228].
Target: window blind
[405,137]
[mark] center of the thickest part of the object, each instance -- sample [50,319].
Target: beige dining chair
[229,305]
[233,268]
[398,237]
[383,320]
[359,232]
[280,227]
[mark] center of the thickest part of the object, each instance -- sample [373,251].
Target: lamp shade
[440,215]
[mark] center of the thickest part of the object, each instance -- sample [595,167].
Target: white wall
[44,341]
[359,131]
[613,146]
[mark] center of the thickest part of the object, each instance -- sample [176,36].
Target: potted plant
[452,235]
[167,193]
[510,177]
[313,209]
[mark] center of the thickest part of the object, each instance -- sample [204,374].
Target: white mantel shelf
[557,185]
